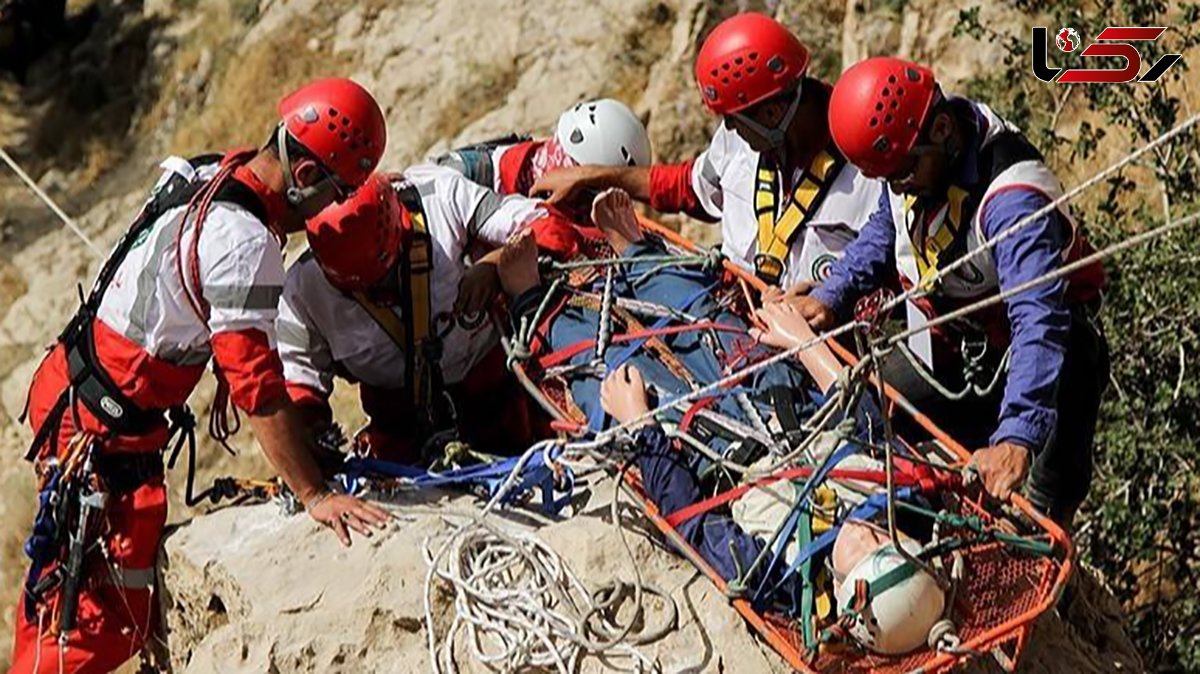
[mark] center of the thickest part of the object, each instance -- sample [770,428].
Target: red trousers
[117,608]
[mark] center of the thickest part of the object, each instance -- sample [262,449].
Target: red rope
[685,424]
[904,478]
[220,426]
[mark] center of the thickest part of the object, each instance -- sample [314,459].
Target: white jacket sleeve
[307,359]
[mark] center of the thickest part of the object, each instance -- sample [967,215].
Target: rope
[1063,271]
[605,318]
[520,605]
[923,285]
[66,219]
[971,387]
[845,328]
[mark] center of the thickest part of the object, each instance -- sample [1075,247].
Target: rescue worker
[383,298]
[602,132]
[672,480]
[959,177]
[787,200]
[197,277]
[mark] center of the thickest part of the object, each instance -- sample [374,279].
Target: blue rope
[536,475]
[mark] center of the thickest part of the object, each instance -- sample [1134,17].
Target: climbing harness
[414,329]
[777,231]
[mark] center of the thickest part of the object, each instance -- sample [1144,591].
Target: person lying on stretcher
[729,540]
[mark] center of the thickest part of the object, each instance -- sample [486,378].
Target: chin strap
[295,194]
[776,136]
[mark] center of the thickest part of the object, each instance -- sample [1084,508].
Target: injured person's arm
[784,327]
[671,484]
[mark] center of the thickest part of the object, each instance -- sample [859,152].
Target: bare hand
[775,294]
[339,511]
[784,326]
[819,315]
[623,395]
[1002,468]
[478,287]
[561,185]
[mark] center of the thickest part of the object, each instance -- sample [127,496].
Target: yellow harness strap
[933,236]
[775,235]
[410,332]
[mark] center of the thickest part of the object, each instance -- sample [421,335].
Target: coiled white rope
[519,604]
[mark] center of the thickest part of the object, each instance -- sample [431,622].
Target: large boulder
[250,590]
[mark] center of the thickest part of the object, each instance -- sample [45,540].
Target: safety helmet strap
[294,193]
[776,136]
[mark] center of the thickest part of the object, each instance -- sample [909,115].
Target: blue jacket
[1039,318]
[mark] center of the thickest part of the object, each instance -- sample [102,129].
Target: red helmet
[340,123]
[746,59]
[357,241]
[877,111]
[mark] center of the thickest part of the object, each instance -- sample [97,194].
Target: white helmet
[604,132]
[898,620]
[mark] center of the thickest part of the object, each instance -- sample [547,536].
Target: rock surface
[249,590]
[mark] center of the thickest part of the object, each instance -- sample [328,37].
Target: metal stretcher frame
[1005,642]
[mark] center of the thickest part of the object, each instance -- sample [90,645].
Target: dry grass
[236,106]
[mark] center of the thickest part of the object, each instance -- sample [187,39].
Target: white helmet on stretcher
[897,619]
[604,132]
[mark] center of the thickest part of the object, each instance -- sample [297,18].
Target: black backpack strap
[90,384]
[493,143]
[475,161]
[99,393]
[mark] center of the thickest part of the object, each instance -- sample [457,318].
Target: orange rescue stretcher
[1003,592]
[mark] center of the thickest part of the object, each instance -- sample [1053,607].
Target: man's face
[921,175]
[769,114]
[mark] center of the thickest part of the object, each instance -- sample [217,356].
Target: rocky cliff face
[248,590]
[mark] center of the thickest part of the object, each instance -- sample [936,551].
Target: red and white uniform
[516,167]
[154,346]
[720,184]
[324,332]
[320,326]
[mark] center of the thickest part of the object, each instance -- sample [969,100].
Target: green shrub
[1141,525]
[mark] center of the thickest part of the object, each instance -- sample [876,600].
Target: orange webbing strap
[385,317]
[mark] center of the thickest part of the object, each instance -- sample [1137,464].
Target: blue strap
[535,475]
[40,546]
[793,518]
